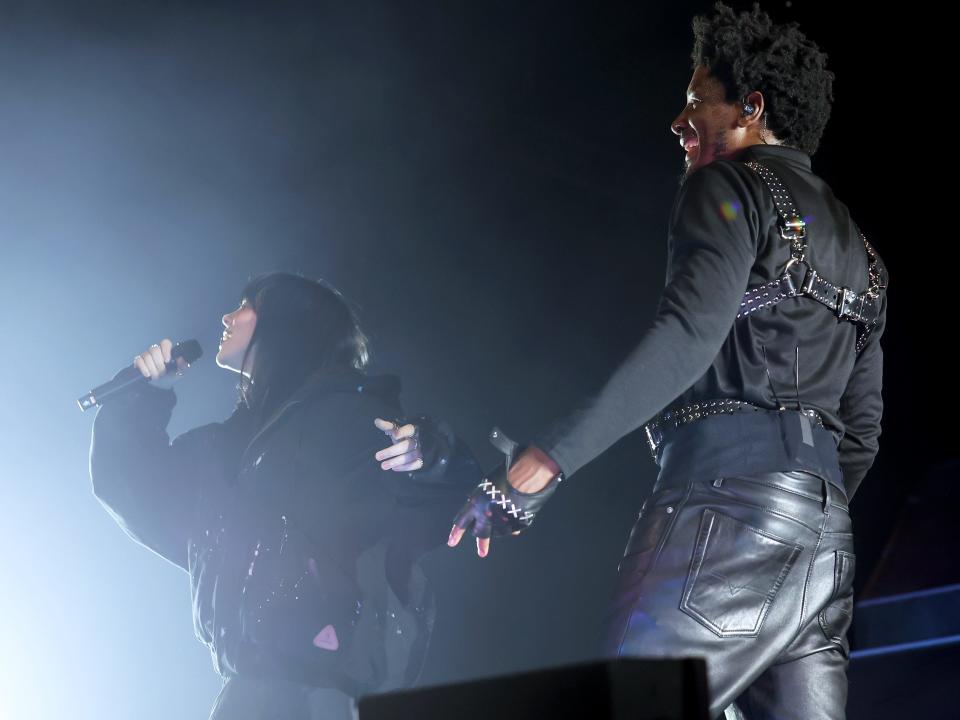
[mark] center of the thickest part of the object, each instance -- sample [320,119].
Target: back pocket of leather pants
[735,574]
[647,534]
[836,616]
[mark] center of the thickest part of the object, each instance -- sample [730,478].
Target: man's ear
[752,109]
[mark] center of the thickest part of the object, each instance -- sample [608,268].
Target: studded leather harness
[799,279]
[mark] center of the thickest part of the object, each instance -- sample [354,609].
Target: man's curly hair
[747,52]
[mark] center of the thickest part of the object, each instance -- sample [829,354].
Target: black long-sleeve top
[723,238]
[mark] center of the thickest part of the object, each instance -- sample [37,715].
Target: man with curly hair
[758,386]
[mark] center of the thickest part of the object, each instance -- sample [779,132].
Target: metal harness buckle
[860,308]
[793,228]
[843,297]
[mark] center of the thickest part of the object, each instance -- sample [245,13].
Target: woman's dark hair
[747,52]
[303,327]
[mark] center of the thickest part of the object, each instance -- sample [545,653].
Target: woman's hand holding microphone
[154,363]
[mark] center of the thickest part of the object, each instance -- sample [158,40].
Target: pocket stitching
[765,508]
[842,562]
[703,538]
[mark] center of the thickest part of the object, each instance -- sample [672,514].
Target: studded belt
[659,428]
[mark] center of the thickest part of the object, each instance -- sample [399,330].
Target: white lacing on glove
[495,508]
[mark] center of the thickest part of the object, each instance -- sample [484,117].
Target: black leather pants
[753,573]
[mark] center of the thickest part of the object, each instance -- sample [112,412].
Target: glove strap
[519,506]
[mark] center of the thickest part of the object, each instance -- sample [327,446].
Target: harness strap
[800,279]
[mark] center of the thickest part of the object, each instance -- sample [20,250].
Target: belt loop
[826,496]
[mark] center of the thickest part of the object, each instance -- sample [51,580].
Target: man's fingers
[456,534]
[483,546]
[482,528]
[462,522]
[464,517]
[477,519]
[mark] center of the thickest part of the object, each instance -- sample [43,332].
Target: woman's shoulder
[343,409]
[336,393]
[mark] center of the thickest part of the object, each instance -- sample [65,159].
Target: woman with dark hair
[301,551]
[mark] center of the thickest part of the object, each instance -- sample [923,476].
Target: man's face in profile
[706,121]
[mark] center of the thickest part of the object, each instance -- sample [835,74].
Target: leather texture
[495,508]
[754,573]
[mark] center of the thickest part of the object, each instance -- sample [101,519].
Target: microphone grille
[189,350]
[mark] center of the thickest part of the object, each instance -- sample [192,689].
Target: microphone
[189,350]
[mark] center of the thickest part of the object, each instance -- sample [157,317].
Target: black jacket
[723,239]
[301,550]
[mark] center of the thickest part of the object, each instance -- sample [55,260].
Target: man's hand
[486,513]
[405,454]
[532,471]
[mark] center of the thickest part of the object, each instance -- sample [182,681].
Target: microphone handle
[130,375]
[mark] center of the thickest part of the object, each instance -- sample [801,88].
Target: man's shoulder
[728,185]
[723,173]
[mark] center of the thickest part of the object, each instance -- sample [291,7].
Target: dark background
[489,182]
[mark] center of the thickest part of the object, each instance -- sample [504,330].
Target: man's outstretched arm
[711,248]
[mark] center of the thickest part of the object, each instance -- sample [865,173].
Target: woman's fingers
[410,460]
[410,466]
[384,426]
[405,454]
[166,350]
[156,355]
[400,448]
[405,431]
[140,364]
[395,430]
[152,362]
